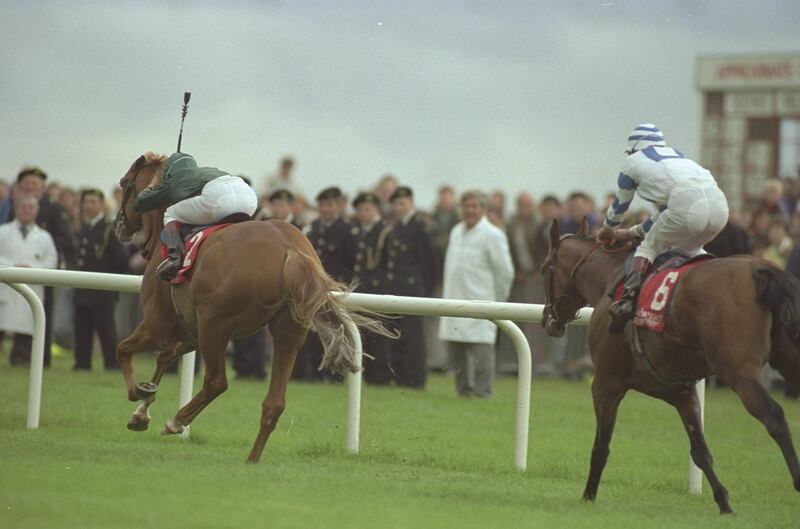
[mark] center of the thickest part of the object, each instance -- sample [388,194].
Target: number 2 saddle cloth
[192,242]
[655,296]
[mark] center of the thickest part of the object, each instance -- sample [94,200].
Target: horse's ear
[140,162]
[555,233]
[135,166]
[583,231]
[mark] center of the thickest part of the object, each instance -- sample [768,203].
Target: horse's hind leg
[140,419]
[785,359]
[761,406]
[606,394]
[287,335]
[211,345]
[688,405]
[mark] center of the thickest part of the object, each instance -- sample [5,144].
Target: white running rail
[501,314]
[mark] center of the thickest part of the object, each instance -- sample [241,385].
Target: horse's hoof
[172,428]
[138,424]
[145,390]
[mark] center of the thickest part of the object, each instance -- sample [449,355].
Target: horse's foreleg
[139,340]
[688,405]
[288,335]
[606,395]
[761,406]
[140,419]
[212,342]
[166,359]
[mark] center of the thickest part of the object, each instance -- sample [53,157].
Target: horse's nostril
[553,329]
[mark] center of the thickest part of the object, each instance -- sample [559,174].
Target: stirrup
[168,269]
[619,319]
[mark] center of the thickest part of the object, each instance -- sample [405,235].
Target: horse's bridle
[126,194]
[127,191]
[551,315]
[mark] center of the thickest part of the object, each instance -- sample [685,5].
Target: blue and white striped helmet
[644,136]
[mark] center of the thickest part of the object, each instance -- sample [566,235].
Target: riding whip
[184,111]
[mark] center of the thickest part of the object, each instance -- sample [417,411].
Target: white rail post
[695,474]
[524,368]
[37,353]
[187,383]
[354,394]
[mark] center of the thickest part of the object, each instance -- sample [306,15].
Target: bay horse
[728,317]
[246,275]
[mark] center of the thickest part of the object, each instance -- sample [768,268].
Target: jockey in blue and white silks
[691,209]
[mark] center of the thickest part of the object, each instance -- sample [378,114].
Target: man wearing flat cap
[411,269]
[53,219]
[329,235]
[368,238]
[280,206]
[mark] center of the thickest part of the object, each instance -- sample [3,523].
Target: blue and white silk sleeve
[640,230]
[625,194]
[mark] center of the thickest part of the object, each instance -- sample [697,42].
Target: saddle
[655,296]
[194,236]
[188,230]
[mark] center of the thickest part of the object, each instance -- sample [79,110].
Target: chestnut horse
[728,317]
[245,276]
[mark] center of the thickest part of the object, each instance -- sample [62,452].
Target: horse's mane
[155,161]
[154,158]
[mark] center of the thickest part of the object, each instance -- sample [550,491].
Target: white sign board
[748,72]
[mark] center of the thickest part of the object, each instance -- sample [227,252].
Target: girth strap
[648,366]
[181,320]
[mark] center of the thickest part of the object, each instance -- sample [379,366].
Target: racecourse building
[750,121]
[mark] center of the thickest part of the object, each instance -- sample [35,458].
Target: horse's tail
[779,292]
[312,301]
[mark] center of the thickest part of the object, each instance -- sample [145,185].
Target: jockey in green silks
[192,195]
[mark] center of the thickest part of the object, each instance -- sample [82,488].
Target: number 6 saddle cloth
[655,295]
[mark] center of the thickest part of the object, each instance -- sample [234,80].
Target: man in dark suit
[411,269]
[329,234]
[280,206]
[53,219]
[99,250]
[368,240]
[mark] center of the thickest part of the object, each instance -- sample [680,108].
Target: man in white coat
[22,243]
[477,265]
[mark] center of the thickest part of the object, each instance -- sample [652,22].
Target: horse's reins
[126,195]
[564,295]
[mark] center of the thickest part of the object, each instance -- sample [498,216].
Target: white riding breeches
[695,214]
[222,196]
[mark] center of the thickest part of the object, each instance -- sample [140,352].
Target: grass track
[428,460]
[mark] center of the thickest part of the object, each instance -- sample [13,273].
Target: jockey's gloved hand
[636,232]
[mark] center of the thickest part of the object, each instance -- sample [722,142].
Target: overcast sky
[537,96]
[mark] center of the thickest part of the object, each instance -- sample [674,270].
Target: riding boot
[171,236]
[621,311]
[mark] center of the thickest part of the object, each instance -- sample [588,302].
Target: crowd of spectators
[383,218]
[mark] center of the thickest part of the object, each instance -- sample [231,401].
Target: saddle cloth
[655,296]
[193,240]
